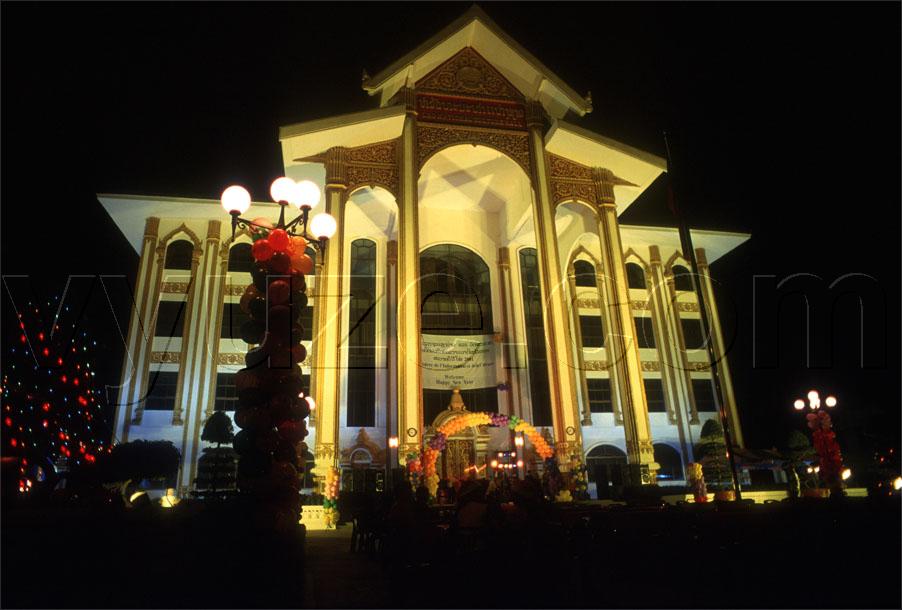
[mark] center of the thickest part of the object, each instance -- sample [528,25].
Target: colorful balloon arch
[468,420]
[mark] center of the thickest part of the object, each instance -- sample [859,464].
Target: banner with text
[454,361]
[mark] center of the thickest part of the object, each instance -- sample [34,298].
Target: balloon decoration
[827,448]
[271,407]
[330,497]
[468,420]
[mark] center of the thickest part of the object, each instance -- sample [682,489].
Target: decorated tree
[52,415]
[216,466]
[712,449]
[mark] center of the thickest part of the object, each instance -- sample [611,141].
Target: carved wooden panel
[570,180]
[431,139]
[374,165]
[477,112]
[467,72]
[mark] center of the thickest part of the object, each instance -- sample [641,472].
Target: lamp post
[272,407]
[303,196]
[821,425]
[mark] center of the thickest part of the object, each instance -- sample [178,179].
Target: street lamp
[303,196]
[821,425]
[814,402]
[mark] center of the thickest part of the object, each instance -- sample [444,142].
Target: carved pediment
[468,73]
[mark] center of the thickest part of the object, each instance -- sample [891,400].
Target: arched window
[606,465]
[669,460]
[456,299]
[178,254]
[635,276]
[456,292]
[682,279]
[240,258]
[585,274]
[362,335]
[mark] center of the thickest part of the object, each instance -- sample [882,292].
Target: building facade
[478,256]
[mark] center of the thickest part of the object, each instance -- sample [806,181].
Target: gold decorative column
[613,370]
[668,343]
[578,340]
[564,406]
[682,370]
[315,355]
[726,380]
[510,360]
[410,415]
[391,348]
[138,328]
[206,347]
[185,390]
[623,350]
[331,300]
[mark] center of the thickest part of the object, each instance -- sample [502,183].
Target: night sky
[785,120]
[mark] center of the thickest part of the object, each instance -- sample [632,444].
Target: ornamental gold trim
[432,139]
[174,287]
[166,357]
[689,307]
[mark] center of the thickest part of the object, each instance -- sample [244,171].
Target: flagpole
[689,254]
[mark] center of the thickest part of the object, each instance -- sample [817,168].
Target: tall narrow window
[635,276]
[692,333]
[645,332]
[654,396]
[226,393]
[536,356]
[600,395]
[592,331]
[682,279]
[585,274]
[232,320]
[362,335]
[178,254]
[703,392]
[161,390]
[170,319]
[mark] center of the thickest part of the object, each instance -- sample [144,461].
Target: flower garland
[330,497]
[468,420]
[579,478]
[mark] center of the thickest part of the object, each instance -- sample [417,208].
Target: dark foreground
[803,554]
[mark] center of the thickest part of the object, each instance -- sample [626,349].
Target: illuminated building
[478,247]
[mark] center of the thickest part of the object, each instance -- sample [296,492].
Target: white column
[410,382]
[719,348]
[668,354]
[623,350]
[564,407]
[138,328]
[331,297]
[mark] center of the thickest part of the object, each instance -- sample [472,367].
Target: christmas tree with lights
[52,417]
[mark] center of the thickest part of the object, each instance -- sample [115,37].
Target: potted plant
[217,465]
[712,450]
